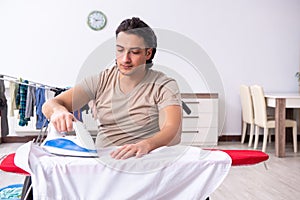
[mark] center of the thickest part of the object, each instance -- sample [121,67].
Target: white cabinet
[200,127]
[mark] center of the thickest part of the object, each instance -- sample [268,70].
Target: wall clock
[96,20]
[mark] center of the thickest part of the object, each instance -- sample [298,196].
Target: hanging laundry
[13,90]
[30,101]
[23,96]
[18,98]
[40,100]
[57,91]
[49,94]
[77,114]
[3,110]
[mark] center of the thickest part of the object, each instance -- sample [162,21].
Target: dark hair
[138,27]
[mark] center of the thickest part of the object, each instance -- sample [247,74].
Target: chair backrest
[247,106]
[259,105]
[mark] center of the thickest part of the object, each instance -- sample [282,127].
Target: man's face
[131,53]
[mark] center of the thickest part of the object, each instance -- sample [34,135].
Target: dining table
[281,101]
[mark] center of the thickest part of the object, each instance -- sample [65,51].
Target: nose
[126,57]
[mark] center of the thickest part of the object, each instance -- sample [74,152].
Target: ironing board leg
[27,189]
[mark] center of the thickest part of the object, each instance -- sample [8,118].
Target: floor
[277,179]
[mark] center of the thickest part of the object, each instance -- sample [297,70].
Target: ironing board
[196,173]
[238,157]
[177,172]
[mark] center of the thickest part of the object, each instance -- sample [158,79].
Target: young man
[138,108]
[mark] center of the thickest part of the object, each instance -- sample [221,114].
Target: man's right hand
[62,121]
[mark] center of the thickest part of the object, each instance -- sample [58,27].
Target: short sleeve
[90,84]
[168,94]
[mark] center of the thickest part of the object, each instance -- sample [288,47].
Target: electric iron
[79,145]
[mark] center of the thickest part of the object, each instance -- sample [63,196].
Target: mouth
[126,67]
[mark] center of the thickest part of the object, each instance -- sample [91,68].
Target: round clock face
[96,20]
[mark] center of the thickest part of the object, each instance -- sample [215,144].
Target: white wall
[249,41]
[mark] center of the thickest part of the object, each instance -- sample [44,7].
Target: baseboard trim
[18,139]
[238,138]
[229,138]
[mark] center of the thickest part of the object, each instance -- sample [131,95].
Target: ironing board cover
[245,157]
[8,165]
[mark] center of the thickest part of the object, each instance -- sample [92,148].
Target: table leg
[280,128]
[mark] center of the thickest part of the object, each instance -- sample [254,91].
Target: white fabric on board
[177,172]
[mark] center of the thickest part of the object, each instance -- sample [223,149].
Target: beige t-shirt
[129,118]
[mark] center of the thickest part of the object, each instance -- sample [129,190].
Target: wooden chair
[261,119]
[247,113]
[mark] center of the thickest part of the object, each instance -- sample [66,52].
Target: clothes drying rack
[30,83]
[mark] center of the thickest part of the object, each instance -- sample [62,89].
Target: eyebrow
[132,48]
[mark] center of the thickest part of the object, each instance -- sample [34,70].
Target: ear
[148,53]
